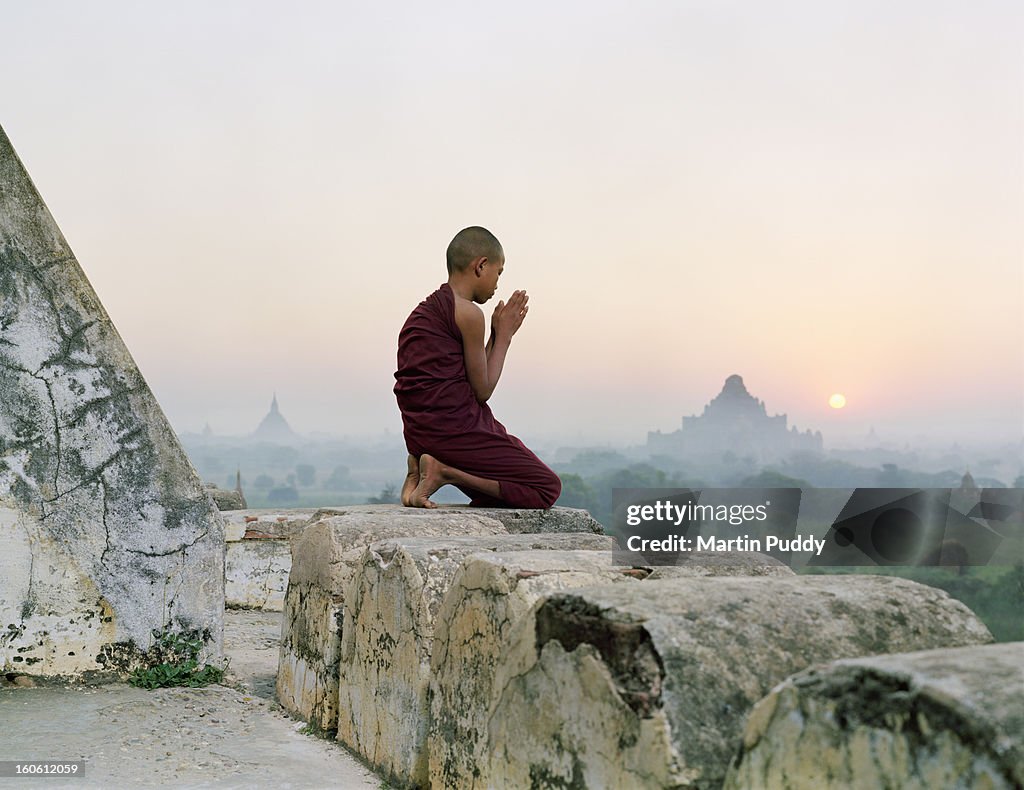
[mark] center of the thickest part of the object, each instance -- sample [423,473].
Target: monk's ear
[478,266]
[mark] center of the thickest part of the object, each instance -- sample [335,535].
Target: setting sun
[837,401]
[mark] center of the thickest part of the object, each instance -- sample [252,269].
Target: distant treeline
[588,480]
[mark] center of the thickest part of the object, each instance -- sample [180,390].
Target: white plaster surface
[115,522]
[256,574]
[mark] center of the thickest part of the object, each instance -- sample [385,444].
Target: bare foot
[431,478]
[412,479]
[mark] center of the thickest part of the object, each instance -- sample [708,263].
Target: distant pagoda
[734,421]
[275,428]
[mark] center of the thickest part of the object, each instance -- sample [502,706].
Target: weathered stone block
[556,519]
[917,721]
[106,531]
[388,632]
[224,499]
[488,596]
[256,574]
[283,524]
[720,563]
[324,557]
[516,520]
[646,685]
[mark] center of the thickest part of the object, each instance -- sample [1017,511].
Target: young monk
[447,372]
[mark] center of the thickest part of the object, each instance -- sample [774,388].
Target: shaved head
[470,244]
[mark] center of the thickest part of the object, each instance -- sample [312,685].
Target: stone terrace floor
[218,737]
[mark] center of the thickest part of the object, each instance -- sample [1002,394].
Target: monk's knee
[551,491]
[539,494]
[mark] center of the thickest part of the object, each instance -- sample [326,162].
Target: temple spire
[275,428]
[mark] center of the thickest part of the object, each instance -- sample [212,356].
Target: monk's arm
[483,363]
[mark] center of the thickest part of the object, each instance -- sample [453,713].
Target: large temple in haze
[734,421]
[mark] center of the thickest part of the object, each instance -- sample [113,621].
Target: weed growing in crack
[175,662]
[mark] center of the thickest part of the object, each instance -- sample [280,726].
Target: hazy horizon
[821,199]
[874,439]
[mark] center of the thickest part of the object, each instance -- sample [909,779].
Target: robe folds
[442,417]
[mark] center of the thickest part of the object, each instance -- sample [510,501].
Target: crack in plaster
[182,548]
[93,475]
[106,512]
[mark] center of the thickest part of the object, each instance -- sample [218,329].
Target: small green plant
[174,661]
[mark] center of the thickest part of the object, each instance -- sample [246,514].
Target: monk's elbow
[482,393]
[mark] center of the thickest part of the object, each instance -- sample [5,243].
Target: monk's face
[487,285]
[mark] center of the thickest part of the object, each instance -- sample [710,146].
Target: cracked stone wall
[324,559]
[106,531]
[259,556]
[917,721]
[388,634]
[256,573]
[490,595]
[647,685]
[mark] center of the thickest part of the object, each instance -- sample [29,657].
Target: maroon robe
[442,416]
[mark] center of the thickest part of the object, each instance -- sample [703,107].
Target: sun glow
[837,401]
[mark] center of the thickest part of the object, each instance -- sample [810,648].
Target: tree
[263,482]
[388,496]
[306,474]
[576,493]
[891,477]
[339,479]
[282,457]
[283,495]
[638,476]
[771,478]
[635,476]
[592,462]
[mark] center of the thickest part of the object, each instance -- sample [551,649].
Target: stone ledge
[256,574]
[648,684]
[325,556]
[388,634]
[516,520]
[936,718]
[490,595]
[278,523]
[288,522]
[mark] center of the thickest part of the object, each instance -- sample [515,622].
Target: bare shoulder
[468,316]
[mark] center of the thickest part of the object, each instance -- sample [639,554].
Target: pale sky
[820,196]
